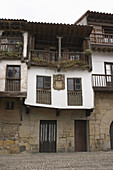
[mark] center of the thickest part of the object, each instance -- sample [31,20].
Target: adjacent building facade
[101,43]
[55,93]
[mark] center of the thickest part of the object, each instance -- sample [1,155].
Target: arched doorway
[111,135]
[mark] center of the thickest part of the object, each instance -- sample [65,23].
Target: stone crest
[59,82]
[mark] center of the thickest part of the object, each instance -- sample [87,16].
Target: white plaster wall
[98,60]
[23,66]
[59,98]
[83,21]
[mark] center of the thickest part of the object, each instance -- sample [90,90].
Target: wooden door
[111,135]
[80,135]
[47,136]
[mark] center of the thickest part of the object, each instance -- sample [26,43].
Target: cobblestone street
[58,161]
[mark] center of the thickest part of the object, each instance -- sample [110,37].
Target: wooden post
[59,52]
[0,37]
[25,43]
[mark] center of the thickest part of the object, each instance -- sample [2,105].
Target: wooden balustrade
[105,81]
[43,96]
[12,84]
[11,47]
[76,56]
[44,55]
[41,56]
[74,98]
[101,38]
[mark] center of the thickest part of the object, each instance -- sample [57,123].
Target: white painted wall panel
[59,98]
[98,60]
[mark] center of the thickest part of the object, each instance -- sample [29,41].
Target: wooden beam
[13,94]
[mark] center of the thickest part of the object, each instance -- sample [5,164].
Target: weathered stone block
[8,143]
[25,131]
[14,149]
[33,141]
[1,143]
[22,148]
[62,141]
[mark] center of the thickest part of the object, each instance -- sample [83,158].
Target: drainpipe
[59,53]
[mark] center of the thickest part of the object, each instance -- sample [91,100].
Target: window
[74,91]
[109,68]
[74,84]
[109,74]
[44,82]
[43,89]
[9,105]
[13,78]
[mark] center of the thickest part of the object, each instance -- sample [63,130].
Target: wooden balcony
[102,38]
[10,50]
[12,84]
[44,96]
[102,82]
[68,59]
[12,89]
[74,98]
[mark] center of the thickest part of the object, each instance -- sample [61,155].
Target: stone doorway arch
[105,125]
[111,135]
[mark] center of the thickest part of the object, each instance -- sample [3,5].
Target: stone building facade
[100,122]
[55,97]
[101,43]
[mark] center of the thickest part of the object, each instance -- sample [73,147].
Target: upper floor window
[74,91]
[43,89]
[109,68]
[109,73]
[13,78]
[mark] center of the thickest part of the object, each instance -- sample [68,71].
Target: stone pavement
[58,161]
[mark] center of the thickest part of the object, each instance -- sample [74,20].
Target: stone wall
[9,126]
[30,128]
[100,121]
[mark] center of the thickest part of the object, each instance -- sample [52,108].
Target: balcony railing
[102,81]
[12,84]
[75,98]
[44,96]
[101,38]
[11,50]
[74,56]
[44,55]
[50,57]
